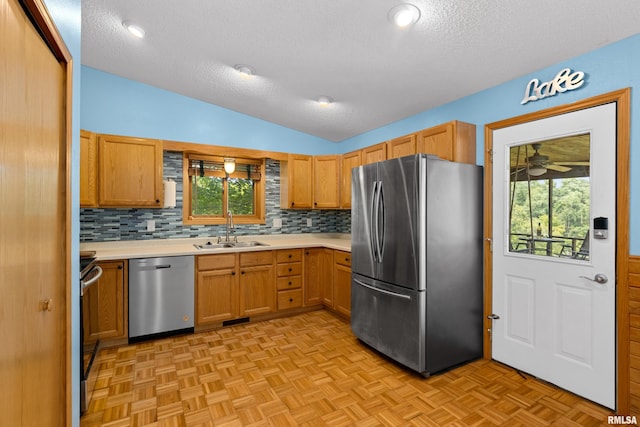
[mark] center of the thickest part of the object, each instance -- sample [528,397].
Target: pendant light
[229,165]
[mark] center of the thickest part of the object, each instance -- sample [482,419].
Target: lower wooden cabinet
[257,287]
[342,283]
[216,288]
[318,277]
[237,285]
[289,278]
[229,286]
[104,302]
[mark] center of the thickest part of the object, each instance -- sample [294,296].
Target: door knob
[493,317]
[598,278]
[46,305]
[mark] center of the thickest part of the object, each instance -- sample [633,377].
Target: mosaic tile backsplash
[99,225]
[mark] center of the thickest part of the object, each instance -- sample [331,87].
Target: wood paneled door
[34,218]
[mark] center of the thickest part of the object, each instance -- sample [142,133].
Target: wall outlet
[151,225]
[277,222]
[309,222]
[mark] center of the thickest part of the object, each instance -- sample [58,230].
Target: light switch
[309,222]
[151,225]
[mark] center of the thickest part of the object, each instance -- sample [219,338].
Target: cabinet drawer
[289,255]
[256,258]
[216,262]
[289,269]
[289,299]
[343,258]
[291,282]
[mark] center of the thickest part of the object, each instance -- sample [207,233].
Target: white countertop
[175,247]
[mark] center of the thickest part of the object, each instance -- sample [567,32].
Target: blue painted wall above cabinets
[114,105]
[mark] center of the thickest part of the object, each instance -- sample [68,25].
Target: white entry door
[553,272]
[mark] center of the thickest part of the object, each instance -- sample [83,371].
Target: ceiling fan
[538,164]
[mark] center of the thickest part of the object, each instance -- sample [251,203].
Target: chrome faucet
[230,228]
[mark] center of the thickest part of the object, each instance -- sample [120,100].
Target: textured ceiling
[347,49]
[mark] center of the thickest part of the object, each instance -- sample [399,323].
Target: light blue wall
[114,105]
[613,67]
[67,18]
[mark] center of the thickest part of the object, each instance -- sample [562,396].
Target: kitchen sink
[229,245]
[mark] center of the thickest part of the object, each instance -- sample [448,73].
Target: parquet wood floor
[310,370]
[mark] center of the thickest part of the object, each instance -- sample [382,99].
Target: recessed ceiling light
[324,100]
[245,71]
[404,14]
[134,29]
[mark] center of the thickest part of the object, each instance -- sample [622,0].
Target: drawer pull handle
[289,269]
[289,283]
[290,255]
[290,299]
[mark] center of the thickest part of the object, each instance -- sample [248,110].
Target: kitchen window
[209,192]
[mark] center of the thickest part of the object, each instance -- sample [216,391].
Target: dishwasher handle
[158,267]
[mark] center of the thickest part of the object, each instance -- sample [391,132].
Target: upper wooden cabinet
[296,182]
[88,169]
[130,171]
[349,161]
[310,182]
[455,141]
[326,178]
[374,153]
[403,146]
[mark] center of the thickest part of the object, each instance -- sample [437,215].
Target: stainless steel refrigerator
[416,242]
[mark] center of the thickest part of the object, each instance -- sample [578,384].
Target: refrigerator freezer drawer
[390,319]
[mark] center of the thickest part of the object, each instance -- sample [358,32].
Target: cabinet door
[318,277]
[326,176]
[88,169]
[103,303]
[342,289]
[455,141]
[349,161]
[216,296]
[402,146]
[130,171]
[257,290]
[296,182]
[374,153]
[438,141]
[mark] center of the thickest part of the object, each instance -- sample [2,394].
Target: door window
[549,201]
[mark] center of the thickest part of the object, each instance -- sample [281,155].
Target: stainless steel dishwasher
[161,296]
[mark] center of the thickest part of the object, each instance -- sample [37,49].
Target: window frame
[258,195]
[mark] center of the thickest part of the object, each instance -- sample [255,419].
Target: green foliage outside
[569,204]
[241,200]
[207,194]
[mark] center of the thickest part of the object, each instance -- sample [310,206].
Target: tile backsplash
[98,225]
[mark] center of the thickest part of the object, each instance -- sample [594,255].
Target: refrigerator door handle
[372,225]
[383,291]
[381,221]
